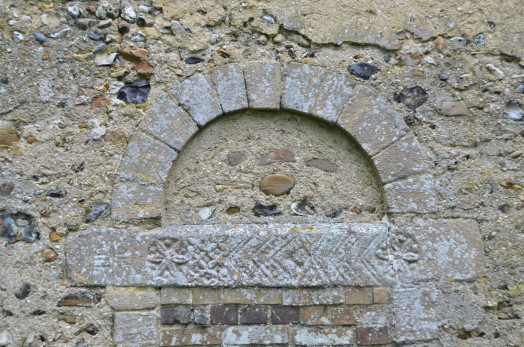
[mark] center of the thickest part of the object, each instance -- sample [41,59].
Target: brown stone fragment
[276,184]
[80,299]
[322,164]
[31,139]
[439,42]
[100,101]
[67,318]
[359,296]
[144,68]
[281,155]
[285,315]
[8,138]
[224,314]
[410,59]
[381,295]
[236,157]
[54,236]
[49,255]
[367,336]
[134,55]
[454,108]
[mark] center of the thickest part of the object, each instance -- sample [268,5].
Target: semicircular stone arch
[314,272]
[357,109]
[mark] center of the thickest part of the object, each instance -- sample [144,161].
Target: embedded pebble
[18,36]
[56,193]
[85,23]
[96,37]
[303,208]
[129,14]
[95,211]
[412,98]
[6,188]
[54,236]
[61,34]
[276,184]
[49,255]
[143,9]
[40,37]
[280,155]
[454,108]
[520,89]
[363,70]
[322,164]
[31,339]
[193,60]
[513,111]
[124,27]
[261,210]
[23,292]
[141,21]
[80,299]
[206,213]
[138,37]
[101,12]
[8,138]
[135,92]
[235,157]
[495,71]
[232,210]
[480,39]
[6,338]
[73,11]
[335,213]
[105,24]
[18,226]
[67,318]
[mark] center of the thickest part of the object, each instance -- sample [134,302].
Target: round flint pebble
[276,184]
[40,37]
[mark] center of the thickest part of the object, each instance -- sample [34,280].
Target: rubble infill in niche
[272,255]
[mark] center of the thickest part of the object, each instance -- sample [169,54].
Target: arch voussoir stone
[334,92]
[371,120]
[403,158]
[301,87]
[230,86]
[169,122]
[263,84]
[199,98]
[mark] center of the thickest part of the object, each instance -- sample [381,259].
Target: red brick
[285,315]
[314,315]
[224,314]
[254,314]
[376,335]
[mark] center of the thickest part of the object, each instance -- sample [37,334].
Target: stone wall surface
[289,173]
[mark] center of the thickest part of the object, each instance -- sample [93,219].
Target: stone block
[170,295]
[313,296]
[359,296]
[254,314]
[415,316]
[285,315]
[207,296]
[323,336]
[315,315]
[198,98]
[224,314]
[238,295]
[169,122]
[200,315]
[411,195]
[170,315]
[256,335]
[371,120]
[372,315]
[135,201]
[381,295]
[401,159]
[449,249]
[333,94]
[131,298]
[190,335]
[147,160]
[268,296]
[166,257]
[372,335]
[231,89]
[263,85]
[135,329]
[301,86]
[342,316]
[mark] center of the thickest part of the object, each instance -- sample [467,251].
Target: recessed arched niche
[324,176]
